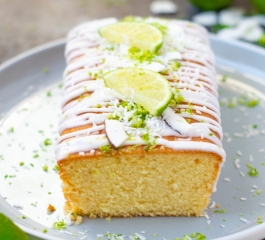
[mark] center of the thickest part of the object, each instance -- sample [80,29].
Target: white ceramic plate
[26,109]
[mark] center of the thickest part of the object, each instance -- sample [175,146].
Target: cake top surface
[102,117]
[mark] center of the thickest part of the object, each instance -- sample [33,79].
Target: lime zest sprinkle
[34,204]
[113,236]
[224,78]
[151,143]
[59,225]
[137,119]
[231,104]
[45,168]
[259,220]
[45,70]
[140,55]
[193,236]
[56,168]
[175,65]
[243,100]
[105,149]
[253,103]
[220,210]
[177,98]
[252,171]
[47,142]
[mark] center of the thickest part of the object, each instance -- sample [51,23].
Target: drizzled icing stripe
[96,141]
[87,103]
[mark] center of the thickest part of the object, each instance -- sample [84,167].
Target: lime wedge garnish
[8,230]
[147,88]
[136,34]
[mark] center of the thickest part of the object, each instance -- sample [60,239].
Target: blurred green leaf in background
[207,5]
[9,231]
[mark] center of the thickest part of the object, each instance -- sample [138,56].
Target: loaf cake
[158,165]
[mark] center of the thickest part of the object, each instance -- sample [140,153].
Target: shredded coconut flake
[227,179]
[68,233]
[212,205]
[243,199]
[237,163]
[262,132]
[140,236]
[92,151]
[262,204]
[239,153]
[18,206]
[242,174]
[255,186]
[238,134]
[244,220]
[223,226]
[206,215]
[68,220]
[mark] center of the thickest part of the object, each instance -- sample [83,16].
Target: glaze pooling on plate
[90,56]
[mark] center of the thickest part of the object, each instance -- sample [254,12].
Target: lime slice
[147,88]
[8,230]
[136,34]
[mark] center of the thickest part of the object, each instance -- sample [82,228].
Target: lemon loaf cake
[140,131]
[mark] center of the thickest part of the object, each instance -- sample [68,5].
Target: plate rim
[247,45]
[31,51]
[255,231]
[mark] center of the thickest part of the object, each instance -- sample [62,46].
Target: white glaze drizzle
[88,54]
